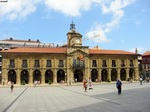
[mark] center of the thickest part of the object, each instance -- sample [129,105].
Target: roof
[63,50]
[36,50]
[119,52]
[147,53]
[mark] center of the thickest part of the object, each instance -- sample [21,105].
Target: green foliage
[23,82]
[49,82]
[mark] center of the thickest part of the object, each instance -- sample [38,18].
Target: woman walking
[12,86]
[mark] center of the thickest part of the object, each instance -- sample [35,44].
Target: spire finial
[72,26]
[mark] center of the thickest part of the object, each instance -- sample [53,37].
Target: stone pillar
[4,76]
[127,73]
[55,77]
[99,74]
[136,74]
[118,73]
[30,76]
[18,77]
[42,76]
[109,74]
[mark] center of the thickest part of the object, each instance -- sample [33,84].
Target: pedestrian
[35,83]
[12,86]
[90,84]
[118,85]
[147,79]
[141,80]
[85,85]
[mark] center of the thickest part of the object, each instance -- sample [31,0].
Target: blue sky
[110,24]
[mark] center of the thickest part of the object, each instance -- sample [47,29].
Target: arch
[94,75]
[78,74]
[60,75]
[48,76]
[12,76]
[37,75]
[113,75]
[131,72]
[104,75]
[25,76]
[123,74]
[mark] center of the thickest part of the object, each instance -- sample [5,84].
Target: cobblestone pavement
[103,98]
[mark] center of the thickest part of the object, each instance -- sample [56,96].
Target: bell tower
[74,38]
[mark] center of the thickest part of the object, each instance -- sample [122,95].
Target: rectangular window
[37,64]
[48,63]
[94,64]
[122,63]
[24,63]
[131,63]
[12,63]
[104,63]
[113,63]
[61,63]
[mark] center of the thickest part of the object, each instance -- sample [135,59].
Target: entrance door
[78,74]
[48,76]
[25,76]
[60,76]
[104,75]
[94,75]
[36,75]
[12,76]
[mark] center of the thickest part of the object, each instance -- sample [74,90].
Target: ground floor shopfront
[45,76]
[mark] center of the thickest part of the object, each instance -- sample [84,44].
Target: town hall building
[68,62]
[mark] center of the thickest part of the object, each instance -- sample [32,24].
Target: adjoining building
[68,62]
[145,72]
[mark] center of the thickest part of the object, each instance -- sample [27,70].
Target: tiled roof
[63,50]
[100,51]
[146,53]
[36,50]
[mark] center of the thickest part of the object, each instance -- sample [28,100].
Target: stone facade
[66,63]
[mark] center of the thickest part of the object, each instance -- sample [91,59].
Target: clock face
[77,40]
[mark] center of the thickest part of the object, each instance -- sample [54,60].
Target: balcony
[78,65]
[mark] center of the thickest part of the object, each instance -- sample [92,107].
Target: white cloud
[14,9]
[115,8]
[69,7]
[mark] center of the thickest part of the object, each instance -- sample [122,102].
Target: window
[131,63]
[48,63]
[104,63]
[37,64]
[12,63]
[113,63]
[61,64]
[94,63]
[122,63]
[24,63]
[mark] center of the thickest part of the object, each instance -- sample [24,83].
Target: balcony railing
[78,65]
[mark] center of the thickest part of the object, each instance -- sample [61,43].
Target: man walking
[118,85]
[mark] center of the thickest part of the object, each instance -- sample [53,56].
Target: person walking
[118,85]
[12,86]
[90,84]
[85,85]
[141,80]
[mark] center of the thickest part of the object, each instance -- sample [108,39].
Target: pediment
[78,52]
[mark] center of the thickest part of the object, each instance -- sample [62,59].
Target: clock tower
[74,38]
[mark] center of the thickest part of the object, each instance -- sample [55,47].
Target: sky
[110,24]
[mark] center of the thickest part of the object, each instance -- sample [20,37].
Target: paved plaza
[62,98]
